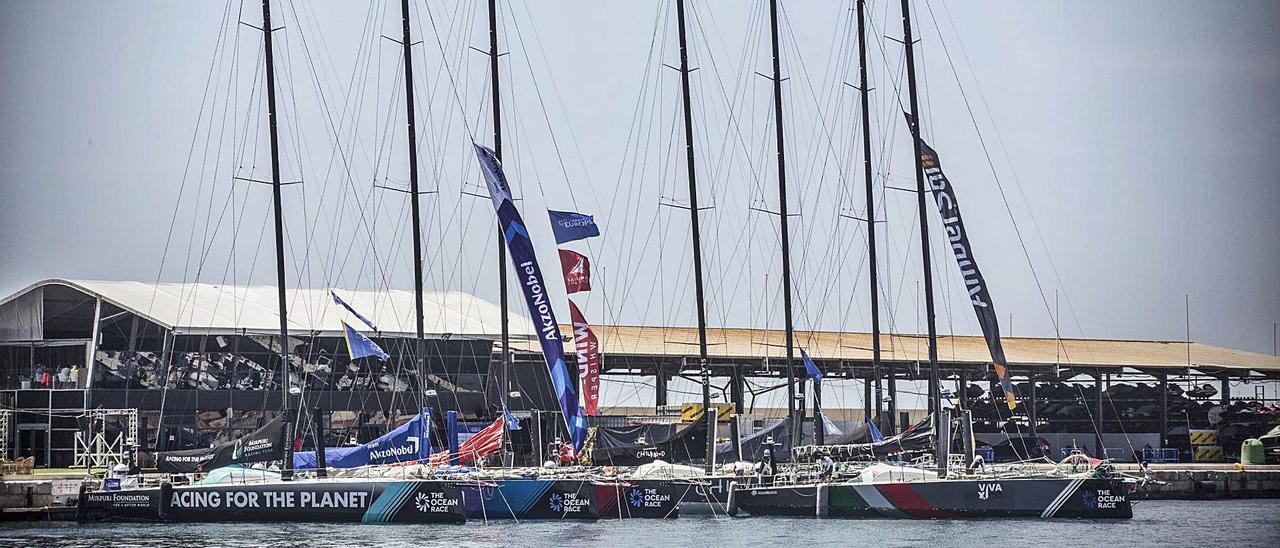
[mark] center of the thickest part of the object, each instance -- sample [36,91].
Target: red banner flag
[577,271]
[588,350]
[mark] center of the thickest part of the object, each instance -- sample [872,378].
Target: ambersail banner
[534,287]
[953,224]
[588,351]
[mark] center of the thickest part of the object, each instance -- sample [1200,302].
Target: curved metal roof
[198,308]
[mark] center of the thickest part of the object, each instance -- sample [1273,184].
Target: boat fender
[731,506]
[821,506]
[166,498]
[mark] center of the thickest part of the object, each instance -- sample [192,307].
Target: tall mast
[704,367]
[279,219]
[503,371]
[935,400]
[786,243]
[871,209]
[419,353]
[503,386]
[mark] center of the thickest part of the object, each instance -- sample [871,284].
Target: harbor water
[1166,523]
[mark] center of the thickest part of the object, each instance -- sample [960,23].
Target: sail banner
[577,271]
[408,442]
[953,224]
[534,287]
[264,444]
[571,227]
[588,351]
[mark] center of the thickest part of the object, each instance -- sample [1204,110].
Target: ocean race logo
[1101,499]
[648,498]
[434,503]
[568,503]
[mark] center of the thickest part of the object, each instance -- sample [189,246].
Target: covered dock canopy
[210,309]
[643,350]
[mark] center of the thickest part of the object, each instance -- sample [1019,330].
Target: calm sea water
[1166,523]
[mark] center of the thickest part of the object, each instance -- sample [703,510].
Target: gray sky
[1141,161]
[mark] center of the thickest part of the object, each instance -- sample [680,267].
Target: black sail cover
[644,443]
[917,439]
[264,444]
[953,224]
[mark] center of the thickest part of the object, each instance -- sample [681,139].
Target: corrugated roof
[750,344]
[209,308]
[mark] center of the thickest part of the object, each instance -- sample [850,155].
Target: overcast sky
[1135,142]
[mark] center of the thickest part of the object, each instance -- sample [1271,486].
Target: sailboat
[408,498]
[865,485]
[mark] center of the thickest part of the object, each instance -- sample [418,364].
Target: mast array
[784,219]
[704,366]
[420,342]
[503,371]
[864,92]
[287,469]
[913,121]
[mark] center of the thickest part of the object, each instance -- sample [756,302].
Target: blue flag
[876,436]
[512,422]
[570,226]
[534,287]
[360,346]
[353,312]
[810,367]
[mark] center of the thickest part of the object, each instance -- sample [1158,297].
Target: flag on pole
[577,271]
[587,347]
[360,346]
[570,227]
[512,422]
[810,367]
[338,300]
[876,436]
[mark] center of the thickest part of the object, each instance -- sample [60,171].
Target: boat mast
[503,371]
[786,248]
[865,92]
[704,366]
[287,468]
[503,386]
[935,400]
[419,353]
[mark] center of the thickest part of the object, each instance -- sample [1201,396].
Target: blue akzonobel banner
[408,442]
[535,293]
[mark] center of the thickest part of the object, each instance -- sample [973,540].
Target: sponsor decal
[120,500]
[648,498]
[568,503]
[434,503]
[396,451]
[270,499]
[986,489]
[1101,499]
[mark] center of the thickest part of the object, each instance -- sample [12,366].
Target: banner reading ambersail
[953,224]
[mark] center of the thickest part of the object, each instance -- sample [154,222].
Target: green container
[1252,452]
